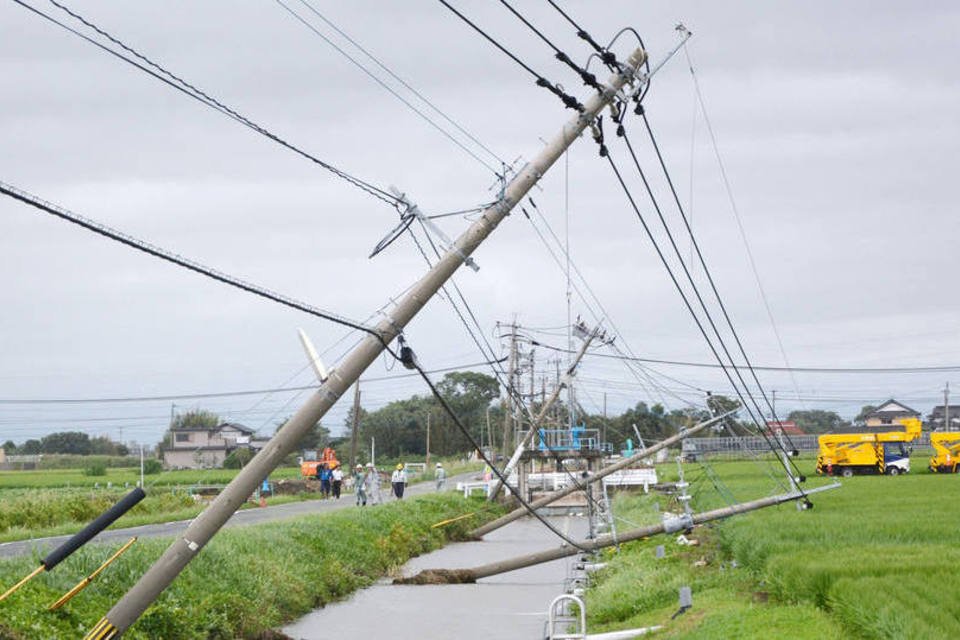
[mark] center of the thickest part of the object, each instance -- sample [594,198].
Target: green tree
[31,447]
[74,442]
[861,418]
[817,420]
[238,458]
[196,419]
[9,447]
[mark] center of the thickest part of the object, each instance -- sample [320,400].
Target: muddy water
[505,607]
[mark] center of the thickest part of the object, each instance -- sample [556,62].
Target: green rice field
[876,558]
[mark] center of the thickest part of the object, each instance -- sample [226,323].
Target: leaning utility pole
[508,406]
[519,512]
[686,521]
[355,427]
[132,605]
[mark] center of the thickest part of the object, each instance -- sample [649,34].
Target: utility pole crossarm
[132,605]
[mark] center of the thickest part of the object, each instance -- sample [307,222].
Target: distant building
[788,427]
[935,419]
[203,448]
[888,414]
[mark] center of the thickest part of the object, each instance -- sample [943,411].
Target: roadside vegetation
[247,580]
[873,559]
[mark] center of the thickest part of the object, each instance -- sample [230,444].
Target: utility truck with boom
[867,453]
[946,452]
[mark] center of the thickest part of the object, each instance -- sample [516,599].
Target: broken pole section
[175,559]
[460,576]
[599,475]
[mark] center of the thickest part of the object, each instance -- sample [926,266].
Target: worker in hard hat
[373,484]
[359,483]
[399,481]
[441,476]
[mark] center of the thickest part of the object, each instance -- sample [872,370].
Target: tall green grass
[873,559]
[245,581]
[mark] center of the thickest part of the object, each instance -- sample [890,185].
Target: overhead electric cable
[686,301]
[622,134]
[403,82]
[736,213]
[192,91]
[217,394]
[588,78]
[387,87]
[569,101]
[169,256]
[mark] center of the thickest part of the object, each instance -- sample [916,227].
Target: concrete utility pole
[132,605]
[355,427]
[599,475]
[428,443]
[508,406]
[528,436]
[946,407]
[687,521]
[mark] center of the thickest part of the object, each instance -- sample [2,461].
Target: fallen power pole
[528,436]
[159,576]
[682,523]
[599,475]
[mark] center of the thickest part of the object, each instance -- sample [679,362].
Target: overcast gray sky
[836,122]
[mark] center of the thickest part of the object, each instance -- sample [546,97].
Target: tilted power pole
[159,576]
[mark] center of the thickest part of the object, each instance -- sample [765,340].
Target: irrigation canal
[508,606]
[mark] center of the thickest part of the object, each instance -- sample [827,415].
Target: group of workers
[366,482]
[331,480]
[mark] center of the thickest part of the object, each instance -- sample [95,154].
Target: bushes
[96,469]
[152,466]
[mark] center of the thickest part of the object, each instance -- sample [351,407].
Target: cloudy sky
[836,123]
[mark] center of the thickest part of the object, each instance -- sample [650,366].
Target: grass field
[873,559]
[246,581]
[36,504]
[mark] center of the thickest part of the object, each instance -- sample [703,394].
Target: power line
[568,101]
[686,302]
[404,83]
[218,394]
[169,256]
[199,95]
[588,78]
[387,87]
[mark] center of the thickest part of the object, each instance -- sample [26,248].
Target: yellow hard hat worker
[399,466]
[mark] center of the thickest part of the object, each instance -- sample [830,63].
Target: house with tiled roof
[889,413]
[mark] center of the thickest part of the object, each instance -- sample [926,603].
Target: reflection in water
[505,607]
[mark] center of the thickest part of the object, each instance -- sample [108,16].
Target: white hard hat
[439,465]
[370,465]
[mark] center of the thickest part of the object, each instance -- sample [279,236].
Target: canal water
[511,606]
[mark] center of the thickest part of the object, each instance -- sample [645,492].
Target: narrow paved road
[240,518]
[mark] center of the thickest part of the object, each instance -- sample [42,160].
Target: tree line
[71,442]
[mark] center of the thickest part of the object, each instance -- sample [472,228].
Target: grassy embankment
[35,504]
[246,580]
[873,559]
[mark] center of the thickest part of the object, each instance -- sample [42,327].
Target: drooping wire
[476,446]
[312,8]
[568,101]
[588,78]
[385,86]
[706,270]
[188,89]
[684,297]
[736,215]
[169,256]
[622,134]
